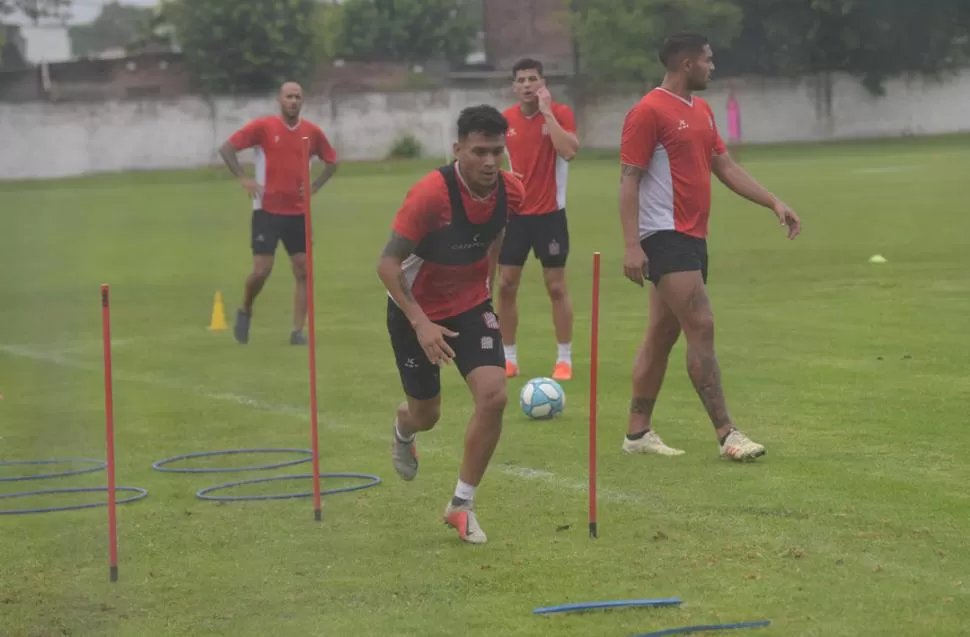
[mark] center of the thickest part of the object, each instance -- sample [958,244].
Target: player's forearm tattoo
[642,406]
[630,171]
[405,286]
[398,247]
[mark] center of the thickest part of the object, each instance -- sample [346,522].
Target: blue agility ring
[98,466]
[705,628]
[159,465]
[141,494]
[626,603]
[203,494]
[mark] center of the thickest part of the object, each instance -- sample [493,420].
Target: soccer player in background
[670,146]
[438,268]
[541,142]
[277,195]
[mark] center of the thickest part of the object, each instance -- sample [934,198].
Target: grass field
[853,375]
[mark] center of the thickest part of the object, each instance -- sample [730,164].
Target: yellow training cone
[218,322]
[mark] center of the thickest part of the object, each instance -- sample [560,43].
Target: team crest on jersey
[491,321]
[545,129]
[553,248]
[511,133]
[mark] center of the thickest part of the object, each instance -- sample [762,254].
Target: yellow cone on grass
[218,322]
[877,258]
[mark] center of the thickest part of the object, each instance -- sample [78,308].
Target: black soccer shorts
[478,344]
[547,236]
[671,251]
[269,229]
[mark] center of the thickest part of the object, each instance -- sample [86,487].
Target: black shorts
[478,344]
[269,229]
[546,235]
[671,251]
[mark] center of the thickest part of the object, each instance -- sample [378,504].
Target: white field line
[523,473]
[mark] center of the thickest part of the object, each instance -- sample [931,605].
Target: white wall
[43,140]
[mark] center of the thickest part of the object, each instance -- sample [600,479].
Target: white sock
[400,436]
[510,355]
[565,353]
[464,491]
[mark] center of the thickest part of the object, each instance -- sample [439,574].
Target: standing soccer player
[438,267]
[670,145]
[278,198]
[541,142]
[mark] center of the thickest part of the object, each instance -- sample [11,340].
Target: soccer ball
[542,399]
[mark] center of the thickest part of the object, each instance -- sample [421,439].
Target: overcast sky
[87,10]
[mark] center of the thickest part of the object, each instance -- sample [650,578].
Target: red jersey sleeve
[639,136]
[420,213]
[248,136]
[322,147]
[565,117]
[514,193]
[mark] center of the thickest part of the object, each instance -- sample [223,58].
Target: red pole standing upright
[109,432]
[593,371]
[311,328]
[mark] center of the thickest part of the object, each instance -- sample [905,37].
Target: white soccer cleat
[739,447]
[462,518]
[650,443]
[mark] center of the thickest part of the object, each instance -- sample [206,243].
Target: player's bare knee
[262,271]
[492,400]
[557,291]
[425,417]
[508,286]
[699,327]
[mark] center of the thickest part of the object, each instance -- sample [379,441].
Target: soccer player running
[438,267]
[277,194]
[670,145]
[541,142]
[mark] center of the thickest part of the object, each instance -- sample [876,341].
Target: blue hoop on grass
[703,628]
[158,466]
[373,481]
[142,493]
[98,466]
[565,608]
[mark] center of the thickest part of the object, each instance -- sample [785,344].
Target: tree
[410,30]
[34,9]
[872,39]
[241,46]
[619,39]
[116,26]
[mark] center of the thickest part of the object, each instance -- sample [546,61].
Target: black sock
[637,436]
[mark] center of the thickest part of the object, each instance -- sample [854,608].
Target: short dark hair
[680,43]
[527,64]
[483,119]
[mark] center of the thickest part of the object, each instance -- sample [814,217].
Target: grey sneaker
[241,328]
[298,338]
[404,455]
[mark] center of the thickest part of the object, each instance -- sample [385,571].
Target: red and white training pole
[593,371]
[109,433]
[311,329]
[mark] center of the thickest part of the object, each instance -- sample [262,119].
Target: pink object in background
[734,118]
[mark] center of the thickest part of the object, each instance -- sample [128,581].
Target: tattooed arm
[634,260]
[389,270]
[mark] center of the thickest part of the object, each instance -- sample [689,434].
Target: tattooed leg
[685,292]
